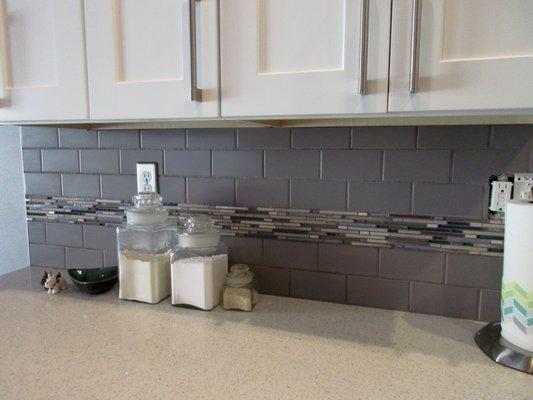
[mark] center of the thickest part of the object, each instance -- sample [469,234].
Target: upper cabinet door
[142,54]
[42,61]
[468,55]
[303,57]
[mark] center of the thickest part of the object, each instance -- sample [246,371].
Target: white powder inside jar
[198,281]
[144,276]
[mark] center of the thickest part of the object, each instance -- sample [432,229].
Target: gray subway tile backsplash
[292,164]
[238,163]
[433,171]
[452,137]
[417,165]
[321,138]
[384,137]
[361,165]
[263,138]
[60,160]
[163,139]
[77,138]
[211,138]
[99,161]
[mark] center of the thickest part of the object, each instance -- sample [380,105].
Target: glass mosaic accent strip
[449,234]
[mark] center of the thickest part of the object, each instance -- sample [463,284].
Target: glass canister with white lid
[199,264]
[144,242]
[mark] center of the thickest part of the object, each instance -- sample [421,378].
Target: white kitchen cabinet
[472,55]
[303,57]
[139,58]
[42,54]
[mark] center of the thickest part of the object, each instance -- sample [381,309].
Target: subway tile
[110,258]
[321,138]
[417,165]
[163,139]
[172,189]
[318,286]
[262,192]
[448,200]
[449,301]
[382,197]
[211,191]
[211,138]
[64,234]
[512,136]
[40,137]
[263,138]
[240,163]
[345,259]
[188,163]
[290,254]
[412,265]
[31,158]
[130,158]
[243,249]
[36,232]
[46,255]
[272,281]
[292,164]
[376,292]
[60,160]
[44,184]
[489,307]
[452,137]
[118,187]
[77,138]
[476,166]
[329,195]
[352,164]
[120,139]
[84,258]
[99,161]
[100,237]
[78,185]
[384,137]
[475,271]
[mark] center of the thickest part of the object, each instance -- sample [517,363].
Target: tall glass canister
[144,242]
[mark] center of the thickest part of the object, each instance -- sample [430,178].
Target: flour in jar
[144,276]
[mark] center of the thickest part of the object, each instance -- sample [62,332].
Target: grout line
[445,277]
[383,165]
[320,164]
[417,138]
[479,304]
[347,202]
[412,194]
[452,166]
[410,297]
[351,144]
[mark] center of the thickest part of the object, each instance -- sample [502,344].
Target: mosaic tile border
[449,234]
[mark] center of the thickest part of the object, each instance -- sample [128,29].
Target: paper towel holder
[491,342]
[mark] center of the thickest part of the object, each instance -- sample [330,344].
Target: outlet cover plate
[500,194]
[147,177]
[523,182]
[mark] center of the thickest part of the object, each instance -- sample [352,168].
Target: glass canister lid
[147,209]
[239,276]
[198,231]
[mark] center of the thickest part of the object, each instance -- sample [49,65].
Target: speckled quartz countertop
[76,346]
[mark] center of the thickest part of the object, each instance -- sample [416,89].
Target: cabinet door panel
[473,55]
[301,57]
[43,60]
[139,59]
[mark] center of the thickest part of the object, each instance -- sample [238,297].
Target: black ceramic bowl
[94,280]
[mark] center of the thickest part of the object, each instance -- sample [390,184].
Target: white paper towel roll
[517,282]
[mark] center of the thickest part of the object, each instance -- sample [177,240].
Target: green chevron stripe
[515,291]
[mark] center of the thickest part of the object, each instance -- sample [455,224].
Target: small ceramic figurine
[53,282]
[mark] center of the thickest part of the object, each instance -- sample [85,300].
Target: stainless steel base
[491,342]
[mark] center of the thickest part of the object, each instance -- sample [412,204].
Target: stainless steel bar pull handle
[363,49]
[415,45]
[196,94]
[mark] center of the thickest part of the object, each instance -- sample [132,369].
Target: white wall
[14,252]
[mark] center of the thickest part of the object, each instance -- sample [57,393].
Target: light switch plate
[147,177]
[523,183]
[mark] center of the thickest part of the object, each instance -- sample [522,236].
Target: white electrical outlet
[500,195]
[147,177]
[522,186]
